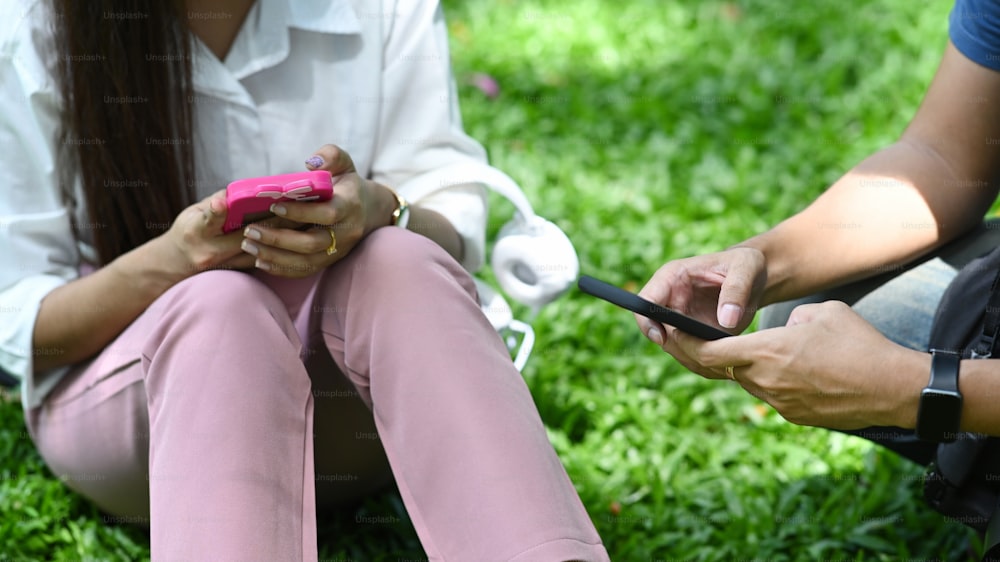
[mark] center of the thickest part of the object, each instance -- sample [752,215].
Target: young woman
[220,384]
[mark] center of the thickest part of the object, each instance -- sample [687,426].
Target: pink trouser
[203,416]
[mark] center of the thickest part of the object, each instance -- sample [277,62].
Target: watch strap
[983,349]
[939,416]
[944,370]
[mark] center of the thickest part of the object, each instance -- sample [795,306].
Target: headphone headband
[533,260]
[468,172]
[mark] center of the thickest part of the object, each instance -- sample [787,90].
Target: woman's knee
[221,317]
[395,247]
[400,258]
[222,293]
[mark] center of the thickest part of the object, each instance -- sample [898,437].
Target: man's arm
[932,185]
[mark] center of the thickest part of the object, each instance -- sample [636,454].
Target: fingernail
[263,266]
[655,335]
[729,316]
[314,162]
[278,209]
[249,248]
[217,205]
[252,233]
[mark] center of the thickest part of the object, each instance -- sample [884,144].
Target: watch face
[939,415]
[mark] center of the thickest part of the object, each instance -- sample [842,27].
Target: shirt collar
[324,16]
[263,40]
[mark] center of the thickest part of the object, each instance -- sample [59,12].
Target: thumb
[734,295]
[331,158]
[213,211]
[745,273]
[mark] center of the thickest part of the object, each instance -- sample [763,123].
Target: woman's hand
[722,289]
[358,207]
[827,367]
[197,243]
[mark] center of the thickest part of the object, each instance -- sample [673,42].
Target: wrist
[902,396]
[384,203]
[775,271]
[939,415]
[153,267]
[400,211]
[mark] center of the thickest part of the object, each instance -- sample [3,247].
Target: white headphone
[533,260]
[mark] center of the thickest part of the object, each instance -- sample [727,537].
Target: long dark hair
[125,79]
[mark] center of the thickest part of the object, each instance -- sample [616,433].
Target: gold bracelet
[401,214]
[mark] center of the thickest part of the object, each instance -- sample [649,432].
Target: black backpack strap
[955,459]
[962,481]
[952,482]
[991,543]
[983,347]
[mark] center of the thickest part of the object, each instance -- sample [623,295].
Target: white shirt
[371,77]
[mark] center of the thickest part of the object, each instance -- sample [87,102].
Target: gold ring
[333,242]
[730,373]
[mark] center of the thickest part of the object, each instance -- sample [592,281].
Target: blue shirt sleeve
[974,28]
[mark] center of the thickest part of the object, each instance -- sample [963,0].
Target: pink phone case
[256,195]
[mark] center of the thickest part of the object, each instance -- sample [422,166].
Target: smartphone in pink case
[250,199]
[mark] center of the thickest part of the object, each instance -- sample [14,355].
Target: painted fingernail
[252,233]
[314,162]
[655,335]
[263,266]
[249,248]
[278,209]
[729,316]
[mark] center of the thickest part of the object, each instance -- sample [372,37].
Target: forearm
[977,380]
[894,206]
[77,320]
[433,225]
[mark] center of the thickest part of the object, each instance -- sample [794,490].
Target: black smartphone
[639,305]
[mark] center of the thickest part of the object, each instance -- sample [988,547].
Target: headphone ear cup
[534,262]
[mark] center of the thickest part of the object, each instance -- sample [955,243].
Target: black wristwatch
[940,411]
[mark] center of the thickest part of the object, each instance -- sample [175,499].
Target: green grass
[648,130]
